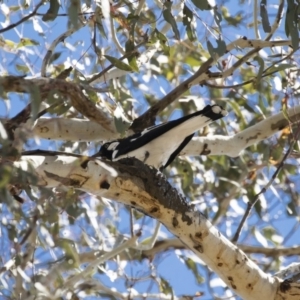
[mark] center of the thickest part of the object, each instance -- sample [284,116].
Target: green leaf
[129,47]
[26,42]
[218,19]
[22,68]
[202,4]
[170,19]
[280,67]
[186,173]
[260,70]
[291,22]
[191,265]
[264,16]
[52,12]
[35,101]
[70,251]
[98,14]
[73,10]
[14,8]
[219,50]
[118,63]
[54,57]
[165,287]
[163,41]
[187,22]
[122,124]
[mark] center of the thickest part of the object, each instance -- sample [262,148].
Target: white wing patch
[113,146]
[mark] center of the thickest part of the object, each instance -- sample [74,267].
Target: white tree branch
[69,90]
[235,144]
[71,130]
[133,183]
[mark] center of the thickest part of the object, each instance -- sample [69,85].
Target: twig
[114,36]
[73,91]
[24,19]
[148,118]
[54,44]
[255,21]
[250,205]
[265,74]
[121,58]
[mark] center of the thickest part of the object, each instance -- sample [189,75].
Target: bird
[158,145]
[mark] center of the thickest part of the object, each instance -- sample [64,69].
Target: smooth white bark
[143,187]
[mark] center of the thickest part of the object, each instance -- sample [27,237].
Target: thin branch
[265,74]
[203,74]
[255,20]
[92,267]
[69,90]
[62,37]
[251,204]
[114,36]
[23,19]
[126,55]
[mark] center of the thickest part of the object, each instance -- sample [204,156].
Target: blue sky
[169,266]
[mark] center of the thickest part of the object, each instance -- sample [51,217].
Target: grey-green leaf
[118,63]
[264,16]
[187,22]
[202,4]
[52,12]
[170,19]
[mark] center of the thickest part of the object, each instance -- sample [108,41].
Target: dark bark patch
[71,181]
[153,210]
[198,235]
[104,185]
[198,248]
[205,150]
[285,286]
[174,222]
[157,186]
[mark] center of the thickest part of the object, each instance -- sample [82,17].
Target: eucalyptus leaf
[187,22]
[264,16]
[130,47]
[26,42]
[52,12]
[170,19]
[261,68]
[202,4]
[119,64]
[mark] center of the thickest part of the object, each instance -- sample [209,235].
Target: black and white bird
[158,145]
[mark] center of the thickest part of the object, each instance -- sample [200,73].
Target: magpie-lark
[158,145]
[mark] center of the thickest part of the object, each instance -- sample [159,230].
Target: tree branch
[235,144]
[203,74]
[69,90]
[133,183]
[11,26]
